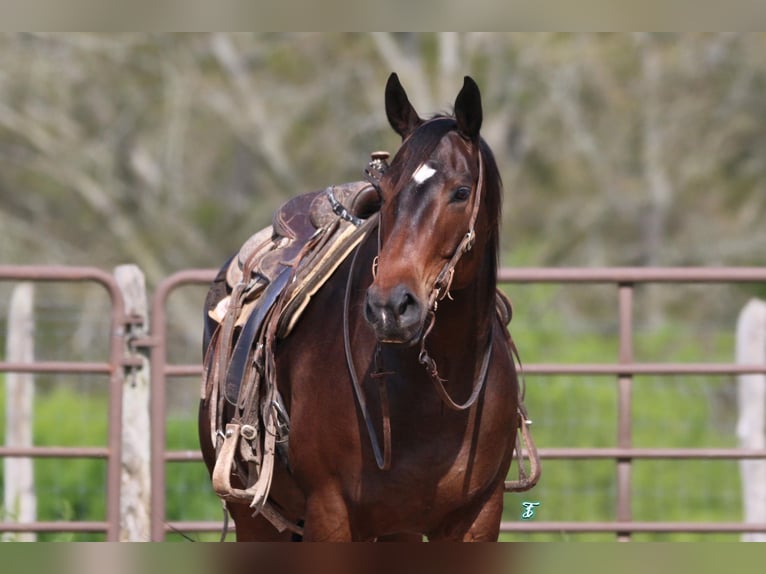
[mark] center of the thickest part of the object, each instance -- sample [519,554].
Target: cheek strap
[444,279]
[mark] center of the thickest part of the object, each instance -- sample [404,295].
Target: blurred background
[169,150]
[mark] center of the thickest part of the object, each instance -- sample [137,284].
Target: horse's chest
[430,480]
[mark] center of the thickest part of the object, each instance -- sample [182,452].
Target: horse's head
[435,223]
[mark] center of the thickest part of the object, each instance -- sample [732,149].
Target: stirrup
[222,485]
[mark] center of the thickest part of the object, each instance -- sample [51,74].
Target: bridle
[444,278]
[439,291]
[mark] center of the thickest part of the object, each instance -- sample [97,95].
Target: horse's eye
[461,194]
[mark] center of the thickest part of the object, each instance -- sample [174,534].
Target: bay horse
[399,378]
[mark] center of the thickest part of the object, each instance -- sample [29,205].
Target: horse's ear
[468,109]
[401,115]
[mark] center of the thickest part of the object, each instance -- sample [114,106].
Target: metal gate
[112,366]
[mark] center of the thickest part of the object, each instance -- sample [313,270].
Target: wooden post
[19,500]
[135,487]
[751,398]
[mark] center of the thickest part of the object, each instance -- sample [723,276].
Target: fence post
[135,483]
[751,398]
[19,500]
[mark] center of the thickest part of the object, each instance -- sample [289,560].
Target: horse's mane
[422,142]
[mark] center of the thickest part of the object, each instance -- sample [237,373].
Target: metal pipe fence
[622,369]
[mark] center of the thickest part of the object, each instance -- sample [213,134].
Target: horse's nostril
[368,311]
[393,312]
[406,302]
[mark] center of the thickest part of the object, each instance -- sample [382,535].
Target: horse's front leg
[327,518]
[481,526]
[486,526]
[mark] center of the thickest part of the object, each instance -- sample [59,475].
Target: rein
[383,460]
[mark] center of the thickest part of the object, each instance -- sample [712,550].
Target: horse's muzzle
[396,315]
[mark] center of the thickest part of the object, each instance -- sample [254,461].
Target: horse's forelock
[418,147]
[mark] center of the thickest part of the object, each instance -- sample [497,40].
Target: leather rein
[440,290]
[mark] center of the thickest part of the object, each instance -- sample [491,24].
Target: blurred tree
[168,150]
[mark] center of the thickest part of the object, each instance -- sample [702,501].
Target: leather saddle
[287,262]
[296,228]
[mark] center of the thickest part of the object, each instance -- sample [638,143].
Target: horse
[399,379]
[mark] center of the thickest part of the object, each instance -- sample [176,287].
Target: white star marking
[423,173]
